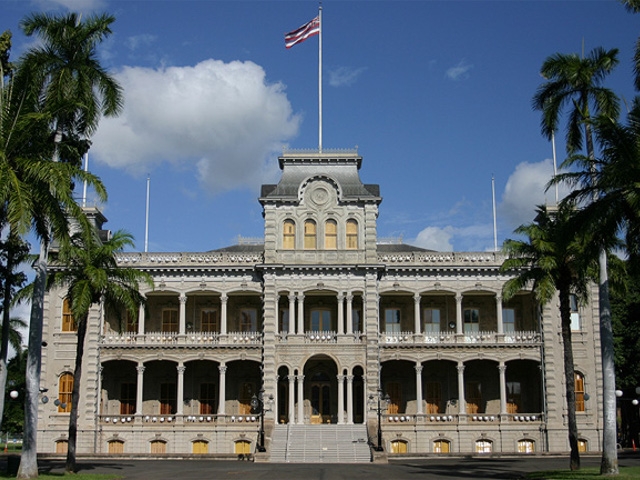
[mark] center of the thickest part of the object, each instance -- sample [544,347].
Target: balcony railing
[168,419]
[486,338]
[169,339]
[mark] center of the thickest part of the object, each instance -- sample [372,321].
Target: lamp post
[380,397]
[257,406]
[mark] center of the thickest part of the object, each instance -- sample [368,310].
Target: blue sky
[436,95]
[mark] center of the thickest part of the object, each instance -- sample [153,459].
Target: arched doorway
[321,390]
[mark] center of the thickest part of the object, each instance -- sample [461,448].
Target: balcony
[172,339]
[469,338]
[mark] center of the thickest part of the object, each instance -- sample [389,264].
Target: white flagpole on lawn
[320,80]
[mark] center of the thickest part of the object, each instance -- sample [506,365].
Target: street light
[257,406]
[380,398]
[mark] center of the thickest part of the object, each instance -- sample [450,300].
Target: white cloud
[460,71]
[72,5]
[525,189]
[435,238]
[136,41]
[222,119]
[344,76]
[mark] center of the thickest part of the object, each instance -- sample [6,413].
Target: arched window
[309,235]
[242,447]
[441,446]
[200,447]
[484,446]
[399,446]
[68,323]
[526,446]
[583,445]
[579,392]
[289,235]
[158,446]
[352,234]
[65,388]
[116,446]
[62,446]
[330,235]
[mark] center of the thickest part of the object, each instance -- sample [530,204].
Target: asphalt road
[452,468]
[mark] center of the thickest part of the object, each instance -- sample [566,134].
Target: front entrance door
[320,402]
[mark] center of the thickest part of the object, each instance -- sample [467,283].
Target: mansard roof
[339,167]
[381,247]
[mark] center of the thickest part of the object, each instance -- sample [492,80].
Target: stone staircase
[319,444]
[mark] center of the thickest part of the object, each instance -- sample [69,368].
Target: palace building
[320,342]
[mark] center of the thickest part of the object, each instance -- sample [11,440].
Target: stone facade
[324,320]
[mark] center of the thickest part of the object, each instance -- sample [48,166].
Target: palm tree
[89,271]
[575,84]
[64,78]
[552,260]
[634,6]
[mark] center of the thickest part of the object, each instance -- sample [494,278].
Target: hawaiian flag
[300,34]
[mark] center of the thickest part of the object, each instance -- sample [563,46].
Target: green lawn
[626,473]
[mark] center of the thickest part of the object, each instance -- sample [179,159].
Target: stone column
[223,314]
[300,314]
[182,316]
[462,409]
[350,399]
[180,393]
[459,327]
[139,388]
[292,399]
[499,314]
[340,399]
[502,370]
[340,313]
[141,313]
[418,367]
[416,314]
[292,314]
[222,388]
[349,314]
[300,379]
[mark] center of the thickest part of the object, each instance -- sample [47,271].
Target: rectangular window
[244,399]
[330,235]
[167,398]
[320,320]
[352,234]
[356,319]
[284,320]
[575,315]
[169,320]
[127,398]
[392,320]
[209,320]
[471,320]
[431,318]
[68,323]
[394,389]
[579,392]
[207,398]
[310,235]
[289,235]
[248,320]
[509,320]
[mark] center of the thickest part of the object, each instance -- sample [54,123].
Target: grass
[626,473]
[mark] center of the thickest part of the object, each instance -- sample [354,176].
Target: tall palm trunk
[6,320]
[75,397]
[29,457]
[609,463]
[569,377]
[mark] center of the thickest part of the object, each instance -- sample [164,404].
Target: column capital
[458,297]
[416,297]
[300,296]
[460,368]
[502,368]
[340,377]
[349,297]
[222,368]
[140,369]
[419,368]
[183,298]
[181,369]
[349,378]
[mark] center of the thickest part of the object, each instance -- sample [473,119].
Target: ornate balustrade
[168,419]
[443,338]
[155,259]
[169,339]
[444,258]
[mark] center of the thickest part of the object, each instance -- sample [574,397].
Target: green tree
[575,87]
[552,260]
[66,81]
[14,408]
[90,273]
[13,253]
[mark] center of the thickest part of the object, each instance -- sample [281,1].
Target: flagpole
[495,222]
[320,80]
[146,218]
[555,168]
